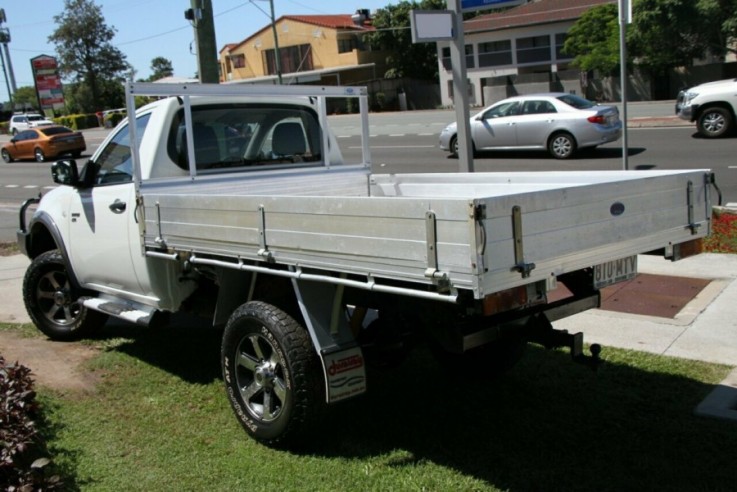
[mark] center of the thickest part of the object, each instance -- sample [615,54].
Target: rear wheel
[271,372]
[39,155]
[714,122]
[562,145]
[52,301]
[6,156]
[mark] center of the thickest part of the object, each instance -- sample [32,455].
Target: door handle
[117,206]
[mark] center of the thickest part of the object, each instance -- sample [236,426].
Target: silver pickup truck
[236,203]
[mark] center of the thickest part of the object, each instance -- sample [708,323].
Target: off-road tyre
[714,122]
[272,374]
[52,301]
[562,145]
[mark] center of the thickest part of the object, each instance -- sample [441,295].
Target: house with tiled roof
[319,49]
[522,43]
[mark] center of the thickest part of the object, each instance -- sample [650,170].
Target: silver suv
[20,122]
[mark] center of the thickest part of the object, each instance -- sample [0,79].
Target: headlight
[688,97]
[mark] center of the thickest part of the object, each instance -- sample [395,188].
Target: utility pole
[277,54]
[7,64]
[201,18]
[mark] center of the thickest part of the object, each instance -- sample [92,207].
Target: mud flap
[342,360]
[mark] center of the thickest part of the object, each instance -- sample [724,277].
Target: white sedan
[558,122]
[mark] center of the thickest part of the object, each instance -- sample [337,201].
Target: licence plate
[615,271]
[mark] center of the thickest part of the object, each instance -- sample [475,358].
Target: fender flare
[40,223]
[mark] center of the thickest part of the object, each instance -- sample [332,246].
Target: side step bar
[118,308]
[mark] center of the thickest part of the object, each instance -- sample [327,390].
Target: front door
[496,127]
[103,232]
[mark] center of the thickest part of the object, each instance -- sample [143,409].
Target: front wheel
[272,374]
[6,156]
[455,147]
[562,145]
[53,303]
[714,122]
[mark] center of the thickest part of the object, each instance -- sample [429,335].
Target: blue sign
[467,5]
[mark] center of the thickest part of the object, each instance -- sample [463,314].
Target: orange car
[43,143]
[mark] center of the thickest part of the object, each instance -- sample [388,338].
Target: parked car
[559,122]
[20,122]
[44,143]
[712,106]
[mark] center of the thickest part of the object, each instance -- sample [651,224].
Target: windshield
[35,117]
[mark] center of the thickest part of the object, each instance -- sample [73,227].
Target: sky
[146,29]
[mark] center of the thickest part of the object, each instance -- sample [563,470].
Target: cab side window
[114,163]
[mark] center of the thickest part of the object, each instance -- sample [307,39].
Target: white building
[524,41]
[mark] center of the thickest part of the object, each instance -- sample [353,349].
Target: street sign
[469,5]
[432,25]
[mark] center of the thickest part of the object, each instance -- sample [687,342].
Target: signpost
[448,25]
[625,17]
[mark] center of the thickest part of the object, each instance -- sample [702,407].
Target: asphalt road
[407,143]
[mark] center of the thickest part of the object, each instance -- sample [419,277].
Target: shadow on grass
[188,347]
[548,425]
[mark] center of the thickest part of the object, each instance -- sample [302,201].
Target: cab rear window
[245,135]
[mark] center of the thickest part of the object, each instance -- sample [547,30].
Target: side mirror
[65,172]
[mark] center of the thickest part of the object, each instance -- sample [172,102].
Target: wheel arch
[237,287]
[714,104]
[560,131]
[44,235]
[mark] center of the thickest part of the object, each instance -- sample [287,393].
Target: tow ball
[542,332]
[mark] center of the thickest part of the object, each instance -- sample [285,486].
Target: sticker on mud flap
[346,374]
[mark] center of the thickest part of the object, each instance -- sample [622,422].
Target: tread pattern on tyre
[87,321]
[302,365]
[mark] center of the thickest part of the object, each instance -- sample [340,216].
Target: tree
[82,42]
[722,15]
[26,98]
[666,34]
[160,68]
[663,34]
[594,39]
[393,34]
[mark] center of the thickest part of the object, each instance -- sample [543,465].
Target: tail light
[598,119]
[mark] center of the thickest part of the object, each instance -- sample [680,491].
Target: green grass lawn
[159,420]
